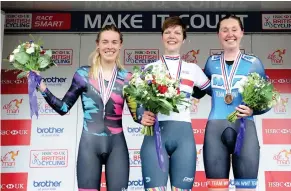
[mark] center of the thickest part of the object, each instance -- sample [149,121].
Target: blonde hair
[95,58]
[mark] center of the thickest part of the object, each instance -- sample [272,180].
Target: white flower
[171,91]
[16,50]
[256,75]
[138,81]
[30,50]
[240,89]
[167,95]
[148,77]
[11,58]
[243,80]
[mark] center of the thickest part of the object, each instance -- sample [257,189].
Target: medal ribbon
[229,79]
[106,92]
[179,67]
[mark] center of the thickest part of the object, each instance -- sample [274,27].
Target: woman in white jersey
[178,144]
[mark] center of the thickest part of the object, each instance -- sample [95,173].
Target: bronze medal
[228,78]
[228,98]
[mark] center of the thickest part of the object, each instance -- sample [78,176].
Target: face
[173,39]
[109,45]
[230,34]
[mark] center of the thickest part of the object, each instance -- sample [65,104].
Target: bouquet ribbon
[240,136]
[33,82]
[158,141]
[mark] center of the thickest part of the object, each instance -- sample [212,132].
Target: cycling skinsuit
[220,135]
[178,144]
[102,140]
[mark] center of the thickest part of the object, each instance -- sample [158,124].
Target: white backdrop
[58,135]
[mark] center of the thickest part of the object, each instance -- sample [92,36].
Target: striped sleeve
[201,80]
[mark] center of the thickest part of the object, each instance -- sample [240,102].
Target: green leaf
[165,104]
[39,41]
[18,66]
[5,60]
[135,68]
[175,110]
[21,75]
[21,57]
[49,53]
[30,35]
[43,62]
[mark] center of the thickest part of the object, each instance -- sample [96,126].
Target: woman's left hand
[244,111]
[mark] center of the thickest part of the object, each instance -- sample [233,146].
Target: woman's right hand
[42,85]
[148,118]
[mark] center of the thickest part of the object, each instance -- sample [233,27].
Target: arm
[63,106]
[258,67]
[202,80]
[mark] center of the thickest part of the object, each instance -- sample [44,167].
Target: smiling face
[230,34]
[109,45]
[173,39]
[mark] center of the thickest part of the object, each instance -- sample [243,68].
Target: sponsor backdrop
[40,154]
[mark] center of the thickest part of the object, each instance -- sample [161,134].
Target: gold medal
[228,99]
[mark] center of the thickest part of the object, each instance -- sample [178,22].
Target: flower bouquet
[156,91]
[28,57]
[258,94]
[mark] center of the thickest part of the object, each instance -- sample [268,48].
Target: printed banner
[141,21]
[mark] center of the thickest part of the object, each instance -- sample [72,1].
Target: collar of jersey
[172,57]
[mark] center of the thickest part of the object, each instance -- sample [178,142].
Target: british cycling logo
[281,106]
[13,107]
[18,20]
[8,160]
[140,56]
[54,158]
[49,131]
[191,56]
[283,158]
[62,56]
[276,21]
[47,185]
[134,158]
[276,56]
